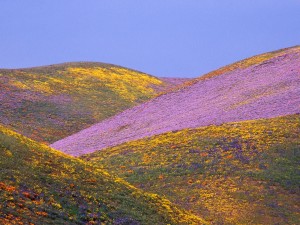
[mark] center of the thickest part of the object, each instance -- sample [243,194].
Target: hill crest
[264,90]
[59,100]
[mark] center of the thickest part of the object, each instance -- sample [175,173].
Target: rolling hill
[39,185]
[236,173]
[52,102]
[263,86]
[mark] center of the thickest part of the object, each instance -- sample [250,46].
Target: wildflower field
[93,143]
[267,87]
[49,103]
[236,173]
[39,185]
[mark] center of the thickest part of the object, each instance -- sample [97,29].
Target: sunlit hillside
[236,173]
[49,103]
[39,185]
[263,86]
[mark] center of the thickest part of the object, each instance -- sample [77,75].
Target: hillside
[236,173]
[52,102]
[39,185]
[263,86]
[242,64]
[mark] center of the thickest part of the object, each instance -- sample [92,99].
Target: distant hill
[39,185]
[52,102]
[263,86]
[236,173]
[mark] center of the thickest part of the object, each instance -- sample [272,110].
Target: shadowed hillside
[39,185]
[49,103]
[263,86]
[237,173]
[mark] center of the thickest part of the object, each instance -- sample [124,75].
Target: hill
[51,102]
[39,185]
[263,86]
[236,173]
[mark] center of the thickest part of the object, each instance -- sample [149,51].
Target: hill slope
[49,103]
[39,185]
[260,87]
[237,173]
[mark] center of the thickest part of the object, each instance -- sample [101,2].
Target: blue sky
[179,38]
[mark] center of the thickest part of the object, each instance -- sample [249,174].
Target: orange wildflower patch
[8,188]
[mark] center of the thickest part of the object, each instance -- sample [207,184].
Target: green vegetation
[39,185]
[52,102]
[236,173]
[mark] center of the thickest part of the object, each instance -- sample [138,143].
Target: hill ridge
[62,99]
[258,91]
[261,58]
[87,64]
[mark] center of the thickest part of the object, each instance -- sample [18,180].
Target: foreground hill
[51,102]
[237,173]
[260,87]
[39,185]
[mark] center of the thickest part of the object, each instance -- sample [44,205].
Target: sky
[167,38]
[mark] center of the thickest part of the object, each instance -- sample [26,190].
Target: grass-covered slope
[260,87]
[237,173]
[39,185]
[49,103]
